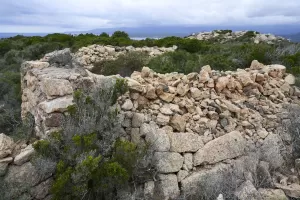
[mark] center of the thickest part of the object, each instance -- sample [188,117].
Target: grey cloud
[90,14]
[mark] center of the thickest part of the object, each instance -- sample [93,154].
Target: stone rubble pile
[89,55]
[228,36]
[17,173]
[206,129]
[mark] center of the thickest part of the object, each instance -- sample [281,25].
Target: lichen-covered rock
[272,194]
[271,151]
[4,165]
[225,147]
[247,191]
[167,162]
[167,187]
[185,142]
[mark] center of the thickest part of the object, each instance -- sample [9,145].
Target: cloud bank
[74,15]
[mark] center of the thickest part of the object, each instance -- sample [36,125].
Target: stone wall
[19,179]
[206,129]
[89,55]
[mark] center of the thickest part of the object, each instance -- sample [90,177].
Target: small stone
[128,105]
[178,122]
[167,162]
[162,119]
[137,120]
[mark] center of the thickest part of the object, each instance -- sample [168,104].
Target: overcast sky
[70,15]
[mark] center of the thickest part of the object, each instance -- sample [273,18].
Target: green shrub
[91,159]
[178,61]
[123,65]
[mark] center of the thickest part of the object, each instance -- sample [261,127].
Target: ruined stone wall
[92,54]
[204,127]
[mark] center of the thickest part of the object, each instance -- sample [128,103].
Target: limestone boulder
[228,146]
[255,65]
[6,145]
[158,139]
[247,191]
[56,87]
[272,194]
[135,86]
[204,74]
[57,105]
[25,155]
[167,162]
[185,142]
[271,151]
[166,187]
[292,191]
[62,57]
[211,181]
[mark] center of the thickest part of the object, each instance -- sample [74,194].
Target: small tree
[120,34]
[104,34]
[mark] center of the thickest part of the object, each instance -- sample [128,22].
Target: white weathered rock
[262,133]
[185,142]
[127,105]
[6,145]
[225,147]
[57,105]
[167,162]
[56,87]
[290,79]
[134,86]
[162,119]
[25,155]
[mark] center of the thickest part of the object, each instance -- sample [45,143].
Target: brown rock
[178,122]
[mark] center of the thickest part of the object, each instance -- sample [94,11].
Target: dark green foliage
[104,35]
[120,34]
[179,61]
[123,65]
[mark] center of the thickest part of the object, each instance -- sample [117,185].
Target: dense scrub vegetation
[88,156]
[192,54]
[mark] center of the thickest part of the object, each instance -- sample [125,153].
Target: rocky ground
[222,36]
[215,135]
